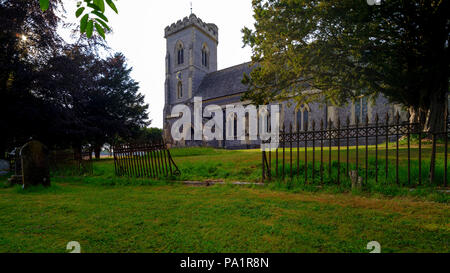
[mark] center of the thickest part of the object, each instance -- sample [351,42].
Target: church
[191,71]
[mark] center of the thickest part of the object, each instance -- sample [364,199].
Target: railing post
[313,149]
[367,148]
[446,148]
[149,159]
[420,156]
[409,148]
[276,161]
[357,147]
[290,148]
[263,155]
[329,145]
[284,150]
[322,135]
[387,146]
[433,157]
[306,151]
[339,150]
[376,148]
[115,162]
[270,163]
[298,148]
[398,147]
[348,145]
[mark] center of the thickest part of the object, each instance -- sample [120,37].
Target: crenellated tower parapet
[210,29]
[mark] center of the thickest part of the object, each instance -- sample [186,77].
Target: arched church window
[302,117]
[205,56]
[180,53]
[305,119]
[299,119]
[179,90]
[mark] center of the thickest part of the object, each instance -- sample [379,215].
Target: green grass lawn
[245,165]
[111,214]
[175,218]
[206,164]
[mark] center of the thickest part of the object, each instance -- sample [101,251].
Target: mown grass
[106,213]
[175,218]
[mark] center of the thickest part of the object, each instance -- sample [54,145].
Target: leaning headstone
[356,180]
[4,167]
[35,164]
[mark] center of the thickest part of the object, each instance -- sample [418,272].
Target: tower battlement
[210,29]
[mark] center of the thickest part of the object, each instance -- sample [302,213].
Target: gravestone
[35,164]
[356,180]
[4,167]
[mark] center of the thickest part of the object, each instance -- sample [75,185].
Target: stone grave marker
[35,164]
[4,166]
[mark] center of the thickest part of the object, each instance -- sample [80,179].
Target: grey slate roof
[223,82]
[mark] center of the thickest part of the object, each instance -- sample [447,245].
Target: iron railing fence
[60,161]
[151,160]
[347,150]
[71,162]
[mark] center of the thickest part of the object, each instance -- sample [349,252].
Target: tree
[346,48]
[93,12]
[149,135]
[97,100]
[64,95]
[117,108]
[27,40]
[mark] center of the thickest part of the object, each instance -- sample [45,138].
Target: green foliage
[346,48]
[27,37]
[44,4]
[89,100]
[94,15]
[147,135]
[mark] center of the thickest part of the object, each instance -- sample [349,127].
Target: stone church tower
[191,55]
[191,71]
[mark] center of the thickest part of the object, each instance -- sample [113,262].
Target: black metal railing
[144,160]
[71,162]
[364,141]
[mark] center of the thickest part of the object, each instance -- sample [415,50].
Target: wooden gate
[151,160]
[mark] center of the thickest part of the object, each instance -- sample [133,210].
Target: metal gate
[151,160]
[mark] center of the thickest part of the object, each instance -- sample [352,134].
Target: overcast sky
[139,35]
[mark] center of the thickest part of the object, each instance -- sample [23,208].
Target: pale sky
[139,35]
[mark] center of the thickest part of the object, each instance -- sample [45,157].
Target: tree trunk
[418,115]
[436,124]
[97,151]
[77,151]
[436,116]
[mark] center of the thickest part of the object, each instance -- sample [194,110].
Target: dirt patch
[397,205]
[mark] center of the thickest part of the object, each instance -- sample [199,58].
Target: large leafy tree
[64,95]
[346,48]
[117,108]
[28,38]
[97,100]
